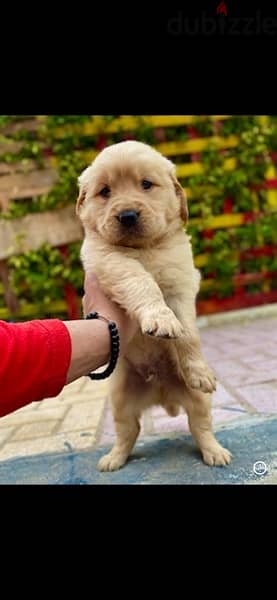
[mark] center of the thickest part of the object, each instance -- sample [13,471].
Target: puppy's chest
[166,272]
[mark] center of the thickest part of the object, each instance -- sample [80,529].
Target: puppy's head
[130,195]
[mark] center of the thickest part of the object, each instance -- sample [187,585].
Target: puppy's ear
[83,186]
[80,200]
[180,193]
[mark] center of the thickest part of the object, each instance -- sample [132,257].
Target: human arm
[39,357]
[91,339]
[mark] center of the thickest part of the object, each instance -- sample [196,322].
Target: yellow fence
[19,179]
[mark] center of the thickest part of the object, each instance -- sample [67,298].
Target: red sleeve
[34,360]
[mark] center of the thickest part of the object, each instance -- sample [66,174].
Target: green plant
[42,274]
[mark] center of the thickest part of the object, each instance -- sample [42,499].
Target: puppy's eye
[105,192]
[146,184]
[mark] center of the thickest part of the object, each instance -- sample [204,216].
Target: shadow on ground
[155,461]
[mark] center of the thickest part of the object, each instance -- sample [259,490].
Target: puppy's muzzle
[128,218]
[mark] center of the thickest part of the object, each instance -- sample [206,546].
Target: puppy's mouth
[130,225]
[133,236]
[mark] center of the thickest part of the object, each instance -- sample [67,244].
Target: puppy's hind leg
[126,413]
[198,407]
[127,431]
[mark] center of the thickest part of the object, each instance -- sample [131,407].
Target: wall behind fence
[225,163]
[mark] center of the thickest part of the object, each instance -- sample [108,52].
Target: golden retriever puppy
[133,211]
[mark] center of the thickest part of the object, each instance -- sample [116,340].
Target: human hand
[95,300]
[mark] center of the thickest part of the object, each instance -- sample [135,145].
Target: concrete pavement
[173,460]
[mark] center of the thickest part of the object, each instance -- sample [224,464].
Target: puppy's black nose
[128,218]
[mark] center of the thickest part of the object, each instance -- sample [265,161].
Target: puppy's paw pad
[110,462]
[217,456]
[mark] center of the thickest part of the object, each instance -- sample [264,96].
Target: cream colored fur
[149,271]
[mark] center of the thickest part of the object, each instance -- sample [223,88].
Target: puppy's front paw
[216,456]
[111,462]
[199,376]
[162,324]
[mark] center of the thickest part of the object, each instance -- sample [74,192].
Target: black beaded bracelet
[114,347]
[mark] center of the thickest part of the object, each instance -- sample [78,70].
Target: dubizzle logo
[219,24]
[221,9]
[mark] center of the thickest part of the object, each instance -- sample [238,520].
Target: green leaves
[42,274]
[60,120]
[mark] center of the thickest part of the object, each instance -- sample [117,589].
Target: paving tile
[266,365]
[94,398]
[255,356]
[5,434]
[89,385]
[54,443]
[225,368]
[33,416]
[271,348]
[31,406]
[222,397]
[34,430]
[228,413]
[75,386]
[262,397]
[212,353]
[170,424]
[107,434]
[58,401]
[252,377]
[107,439]
[83,416]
